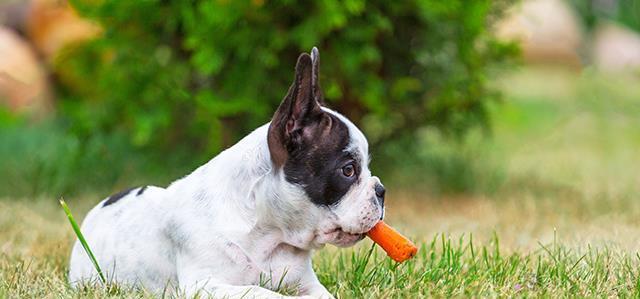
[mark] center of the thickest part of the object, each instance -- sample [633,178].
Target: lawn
[556,211]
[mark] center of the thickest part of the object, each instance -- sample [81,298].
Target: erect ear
[299,113]
[315,72]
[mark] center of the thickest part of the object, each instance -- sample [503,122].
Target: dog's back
[121,228]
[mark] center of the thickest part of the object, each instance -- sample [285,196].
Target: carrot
[396,245]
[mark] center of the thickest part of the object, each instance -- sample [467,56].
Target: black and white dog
[255,211]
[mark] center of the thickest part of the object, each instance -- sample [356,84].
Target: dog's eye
[348,170]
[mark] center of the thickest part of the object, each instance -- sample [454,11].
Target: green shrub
[43,159]
[625,12]
[201,74]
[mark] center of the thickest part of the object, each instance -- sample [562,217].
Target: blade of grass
[82,240]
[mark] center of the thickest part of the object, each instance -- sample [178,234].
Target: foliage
[201,74]
[44,159]
[626,12]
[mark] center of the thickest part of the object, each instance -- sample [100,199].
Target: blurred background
[521,117]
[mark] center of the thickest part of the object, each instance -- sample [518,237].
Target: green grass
[445,266]
[551,202]
[83,241]
[449,267]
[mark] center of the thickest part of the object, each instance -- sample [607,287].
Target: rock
[23,79]
[616,48]
[13,14]
[549,31]
[53,24]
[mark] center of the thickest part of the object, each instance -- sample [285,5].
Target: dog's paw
[316,296]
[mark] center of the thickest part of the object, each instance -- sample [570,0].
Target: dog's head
[324,159]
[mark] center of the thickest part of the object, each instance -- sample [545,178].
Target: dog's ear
[315,81]
[299,115]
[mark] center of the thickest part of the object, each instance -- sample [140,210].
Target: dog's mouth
[339,230]
[341,238]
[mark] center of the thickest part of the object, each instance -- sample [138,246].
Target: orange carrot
[396,245]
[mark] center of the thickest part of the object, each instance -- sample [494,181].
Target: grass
[34,255]
[554,212]
[80,236]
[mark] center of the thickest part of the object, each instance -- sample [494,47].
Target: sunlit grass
[447,265]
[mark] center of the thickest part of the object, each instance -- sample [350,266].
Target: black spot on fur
[114,198]
[141,191]
[317,165]
[308,142]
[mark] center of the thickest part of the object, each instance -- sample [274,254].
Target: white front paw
[319,296]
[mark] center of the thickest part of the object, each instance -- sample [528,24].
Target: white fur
[229,226]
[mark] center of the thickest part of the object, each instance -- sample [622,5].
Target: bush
[626,12]
[43,159]
[201,74]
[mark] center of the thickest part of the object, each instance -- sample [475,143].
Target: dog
[247,221]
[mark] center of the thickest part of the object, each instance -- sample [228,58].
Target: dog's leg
[229,291]
[316,290]
[215,289]
[311,286]
[199,280]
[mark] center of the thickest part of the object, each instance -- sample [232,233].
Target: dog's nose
[380,191]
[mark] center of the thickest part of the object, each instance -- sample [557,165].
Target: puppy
[249,219]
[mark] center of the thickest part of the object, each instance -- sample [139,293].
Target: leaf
[82,240]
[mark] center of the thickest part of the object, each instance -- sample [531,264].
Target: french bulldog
[247,221]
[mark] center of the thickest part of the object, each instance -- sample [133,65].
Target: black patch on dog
[141,191]
[308,142]
[114,198]
[317,165]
